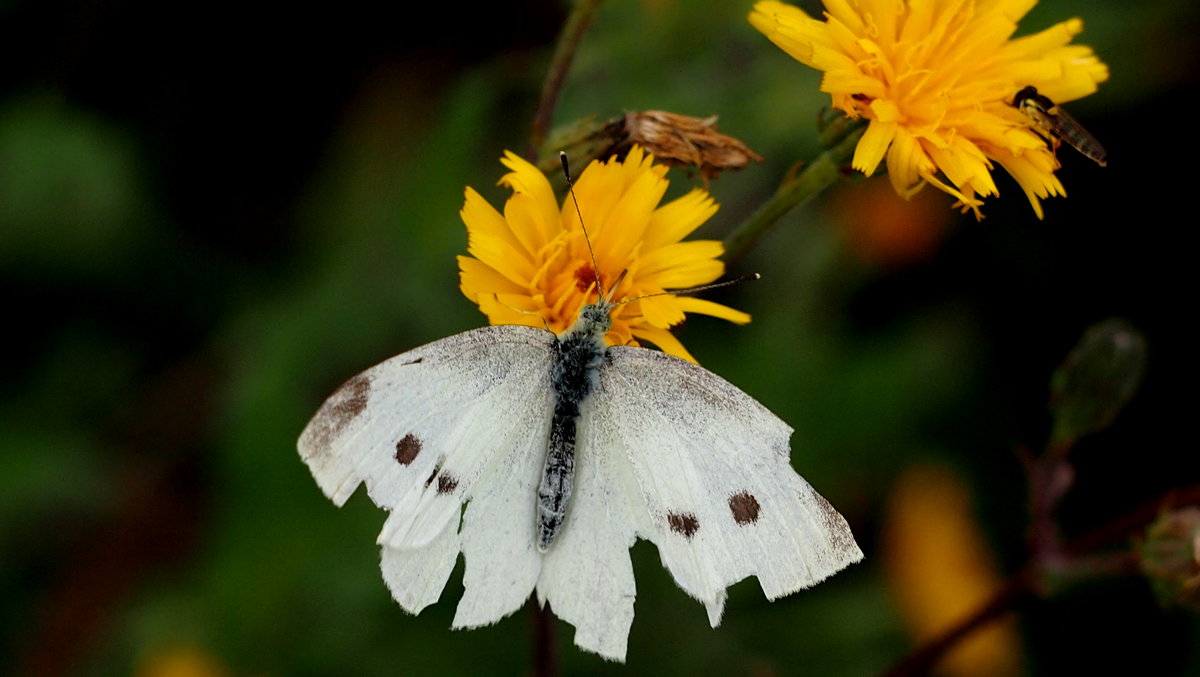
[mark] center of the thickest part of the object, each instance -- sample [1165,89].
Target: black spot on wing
[744,507]
[407,449]
[437,468]
[342,407]
[416,361]
[684,523]
[446,483]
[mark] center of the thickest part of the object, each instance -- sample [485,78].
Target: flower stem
[797,189]
[564,52]
[1029,580]
[924,658]
[545,656]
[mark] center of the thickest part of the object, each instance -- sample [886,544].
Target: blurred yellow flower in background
[531,264]
[179,661]
[940,571]
[936,80]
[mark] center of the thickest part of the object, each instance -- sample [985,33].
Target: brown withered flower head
[681,140]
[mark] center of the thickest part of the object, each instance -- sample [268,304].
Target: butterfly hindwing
[502,561]
[587,576]
[721,499]
[416,577]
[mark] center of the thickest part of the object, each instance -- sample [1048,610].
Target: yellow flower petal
[679,218]
[475,275]
[490,241]
[665,341]
[663,312]
[626,223]
[874,144]
[528,214]
[907,164]
[683,265]
[691,304]
[670,259]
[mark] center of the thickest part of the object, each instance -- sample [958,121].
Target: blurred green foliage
[201,237]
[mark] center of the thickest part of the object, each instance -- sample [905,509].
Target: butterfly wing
[457,420]
[717,493]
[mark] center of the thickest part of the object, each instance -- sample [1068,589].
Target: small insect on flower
[1054,124]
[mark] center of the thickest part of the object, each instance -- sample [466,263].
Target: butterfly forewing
[495,535]
[420,429]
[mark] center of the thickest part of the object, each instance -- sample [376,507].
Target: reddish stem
[545,654]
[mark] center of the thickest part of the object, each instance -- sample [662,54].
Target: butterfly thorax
[573,375]
[577,352]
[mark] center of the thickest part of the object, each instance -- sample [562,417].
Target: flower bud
[1097,379]
[1170,557]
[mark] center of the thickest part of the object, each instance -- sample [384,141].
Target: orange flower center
[585,277]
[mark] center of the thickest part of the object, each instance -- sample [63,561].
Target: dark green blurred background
[212,214]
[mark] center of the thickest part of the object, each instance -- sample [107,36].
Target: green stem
[564,52]
[815,177]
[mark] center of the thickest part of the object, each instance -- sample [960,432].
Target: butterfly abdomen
[577,354]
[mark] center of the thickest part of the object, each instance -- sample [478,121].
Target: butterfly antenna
[695,290]
[562,157]
[496,298]
[613,289]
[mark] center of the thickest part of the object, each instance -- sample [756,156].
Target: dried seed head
[674,139]
[686,141]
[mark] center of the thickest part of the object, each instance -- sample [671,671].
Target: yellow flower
[179,661]
[531,265]
[936,79]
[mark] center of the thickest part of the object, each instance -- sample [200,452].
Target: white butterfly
[505,420]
